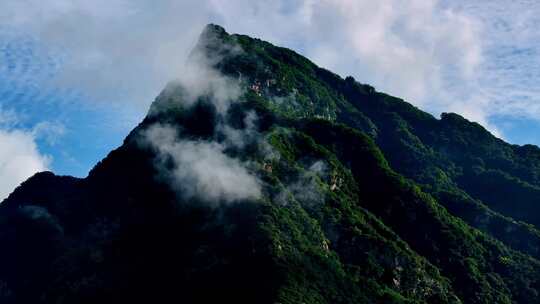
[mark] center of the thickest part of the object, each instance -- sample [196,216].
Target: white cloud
[201,169]
[19,159]
[441,55]
[110,50]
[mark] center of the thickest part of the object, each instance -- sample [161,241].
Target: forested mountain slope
[259,177]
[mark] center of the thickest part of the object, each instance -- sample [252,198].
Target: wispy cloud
[508,77]
[50,131]
[410,48]
[201,169]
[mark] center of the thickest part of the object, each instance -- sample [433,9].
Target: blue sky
[77,76]
[69,128]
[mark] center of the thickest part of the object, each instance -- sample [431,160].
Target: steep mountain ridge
[444,155]
[360,198]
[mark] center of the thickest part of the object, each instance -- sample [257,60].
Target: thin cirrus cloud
[478,59]
[432,53]
[123,44]
[511,71]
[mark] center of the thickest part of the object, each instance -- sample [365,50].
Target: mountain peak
[211,37]
[213,29]
[264,178]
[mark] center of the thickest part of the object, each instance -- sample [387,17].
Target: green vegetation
[365,199]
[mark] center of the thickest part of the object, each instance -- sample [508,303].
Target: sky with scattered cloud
[76,76]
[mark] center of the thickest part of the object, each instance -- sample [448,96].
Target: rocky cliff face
[259,177]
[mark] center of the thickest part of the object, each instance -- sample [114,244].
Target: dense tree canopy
[364,199]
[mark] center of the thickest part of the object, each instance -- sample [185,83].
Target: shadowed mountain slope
[258,177]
